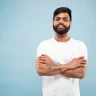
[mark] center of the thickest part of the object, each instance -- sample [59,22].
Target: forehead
[61,15]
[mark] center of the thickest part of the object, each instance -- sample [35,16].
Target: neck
[62,38]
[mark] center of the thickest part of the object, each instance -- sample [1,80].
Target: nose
[61,21]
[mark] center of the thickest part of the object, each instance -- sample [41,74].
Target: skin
[46,67]
[62,18]
[74,69]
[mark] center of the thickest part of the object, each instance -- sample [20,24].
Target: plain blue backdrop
[23,25]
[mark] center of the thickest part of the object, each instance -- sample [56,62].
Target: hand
[40,60]
[46,59]
[78,62]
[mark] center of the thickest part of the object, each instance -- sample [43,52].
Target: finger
[81,57]
[38,57]
[82,61]
[82,65]
[45,58]
[42,61]
[42,58]
[44,55]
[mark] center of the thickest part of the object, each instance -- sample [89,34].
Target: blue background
[23,24]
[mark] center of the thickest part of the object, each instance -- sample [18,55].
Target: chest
[61,54]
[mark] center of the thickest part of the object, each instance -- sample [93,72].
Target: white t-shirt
[63,53]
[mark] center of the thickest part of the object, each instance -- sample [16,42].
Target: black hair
[62,10]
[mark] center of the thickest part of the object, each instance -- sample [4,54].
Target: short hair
[62,10]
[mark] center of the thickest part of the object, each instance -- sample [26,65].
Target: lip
[60,26]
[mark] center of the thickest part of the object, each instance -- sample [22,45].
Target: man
[61,60]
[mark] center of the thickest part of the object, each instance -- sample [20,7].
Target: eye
[57,19]
[65,19]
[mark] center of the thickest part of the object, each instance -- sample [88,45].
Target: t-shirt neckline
[61,42]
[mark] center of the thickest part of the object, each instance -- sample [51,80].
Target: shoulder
[80,43]
[45,42]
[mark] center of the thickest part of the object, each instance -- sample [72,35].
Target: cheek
[55,23]
[67,24]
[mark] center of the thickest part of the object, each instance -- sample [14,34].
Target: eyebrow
[62,17]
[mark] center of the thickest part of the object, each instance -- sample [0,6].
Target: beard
[61,31]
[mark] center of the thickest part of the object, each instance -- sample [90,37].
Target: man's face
[61,23]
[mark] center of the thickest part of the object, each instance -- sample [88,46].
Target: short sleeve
[81,51]
[39,49]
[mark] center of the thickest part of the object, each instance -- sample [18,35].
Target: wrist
[65,67]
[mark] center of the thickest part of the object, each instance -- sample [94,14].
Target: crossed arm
[75,73]
[75,69]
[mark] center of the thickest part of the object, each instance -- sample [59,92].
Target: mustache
[62,25]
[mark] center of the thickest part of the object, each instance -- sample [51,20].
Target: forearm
[75,73]
[50,70]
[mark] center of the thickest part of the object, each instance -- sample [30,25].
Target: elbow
[39,72]
[82,73]
[81,76]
